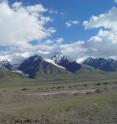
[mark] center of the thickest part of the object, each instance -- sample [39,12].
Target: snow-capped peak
[4,62]
[5,65]
[60,56]
[57,56]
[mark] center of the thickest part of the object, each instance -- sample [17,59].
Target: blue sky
[73,10]
[77,28]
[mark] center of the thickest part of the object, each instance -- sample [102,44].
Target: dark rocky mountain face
[67,63]
[103,64]
[37,64]
[30,66]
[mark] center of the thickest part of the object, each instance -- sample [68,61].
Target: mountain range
[58,65]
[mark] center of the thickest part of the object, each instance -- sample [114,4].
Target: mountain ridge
[108,65]
[37,66]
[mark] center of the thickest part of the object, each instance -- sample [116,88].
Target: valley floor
[92,102]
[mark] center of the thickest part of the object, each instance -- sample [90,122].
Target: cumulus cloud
[71,23]
[74,50]
[107,21]
[104,43]
[20,24]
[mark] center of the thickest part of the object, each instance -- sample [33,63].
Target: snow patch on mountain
[52,62]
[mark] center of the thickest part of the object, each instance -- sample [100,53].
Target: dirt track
[57,92]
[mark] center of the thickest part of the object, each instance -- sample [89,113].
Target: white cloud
[74,50]
[36,9]
[95,39]
[16,5]
[71,23]
[115,1]
[103,44]
[20,24]
[59,40]
[52,11]
[107,21]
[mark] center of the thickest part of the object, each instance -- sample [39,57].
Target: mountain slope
[67,63]
[36,65]
[108,65]
[5,65]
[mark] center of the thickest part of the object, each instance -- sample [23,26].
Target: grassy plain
[84,98]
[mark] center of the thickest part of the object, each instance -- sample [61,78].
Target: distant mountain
[36,65]
[5,66]
[56,66]
[7,72]
[66,62]
[108,65]
[59,68]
